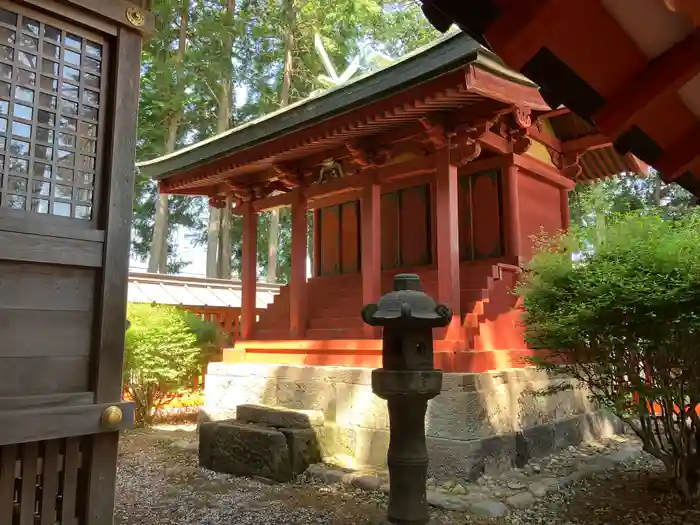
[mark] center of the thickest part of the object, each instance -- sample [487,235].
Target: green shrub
[209,337]
[623,317]
[161,357]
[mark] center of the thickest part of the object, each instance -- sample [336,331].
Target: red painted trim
[249,269]
[298,308]
[496,87]
[447,222]
[511,210]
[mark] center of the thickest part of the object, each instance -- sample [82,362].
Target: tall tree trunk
[657,189]
[219,237]
[158,257]
[213,242]
[290,17]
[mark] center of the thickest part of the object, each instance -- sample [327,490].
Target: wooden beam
[447,222]
[298,307]
[542,171]
[249,272]
[511,210]
[370,247]
[116,11]
[516,35]
[664,75]
[494,142]
[544,137]
[679,157]
[585,143]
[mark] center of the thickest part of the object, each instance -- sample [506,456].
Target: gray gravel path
[159,483]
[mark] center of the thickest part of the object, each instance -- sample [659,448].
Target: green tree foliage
[256,67]
[623,318]
[161,357]
[163,95]
[589,202]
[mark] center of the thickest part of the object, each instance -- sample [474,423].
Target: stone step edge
[279,417]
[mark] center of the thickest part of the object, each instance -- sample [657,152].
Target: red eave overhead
[456,90]
[633,70]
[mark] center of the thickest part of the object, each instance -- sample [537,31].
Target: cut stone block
[303,446]
[241,449]
[279,417]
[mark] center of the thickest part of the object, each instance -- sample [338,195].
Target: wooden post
[297,287]
[447,239]
[370,248]
[565,212]
[316,262]
[249,270]
[511,210]
[107,362]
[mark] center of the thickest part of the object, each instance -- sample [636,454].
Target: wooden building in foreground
[444,164]
[69,82]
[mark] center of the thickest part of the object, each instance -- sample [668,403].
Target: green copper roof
[446,54]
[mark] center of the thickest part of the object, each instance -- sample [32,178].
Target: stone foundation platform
[480,423]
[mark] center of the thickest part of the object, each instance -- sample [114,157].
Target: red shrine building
[445,165]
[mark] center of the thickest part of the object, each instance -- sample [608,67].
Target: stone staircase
[335,303]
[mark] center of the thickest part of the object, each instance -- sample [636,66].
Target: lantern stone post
[407,380]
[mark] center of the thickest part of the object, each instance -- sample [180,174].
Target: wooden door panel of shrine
[406,237]
[66,187]
[330,240]
[350,237]
[480,212]
[339,230]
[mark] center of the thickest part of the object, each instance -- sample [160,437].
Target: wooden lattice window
[51,94]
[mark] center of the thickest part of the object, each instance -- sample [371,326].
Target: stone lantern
[407,380]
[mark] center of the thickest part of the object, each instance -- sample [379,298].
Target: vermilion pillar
[511,209]
[370,238]
[447,238]
[297,285]
[249,269]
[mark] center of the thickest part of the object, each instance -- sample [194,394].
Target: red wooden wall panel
[466,248]
[390,230]
[414,204]
[330,240]
[350,237]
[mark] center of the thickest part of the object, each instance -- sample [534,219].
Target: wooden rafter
[517,33]
[679,157]
[664,75]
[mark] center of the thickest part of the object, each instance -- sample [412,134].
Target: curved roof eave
[445,55]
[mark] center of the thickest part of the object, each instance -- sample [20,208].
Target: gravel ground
[159,483]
